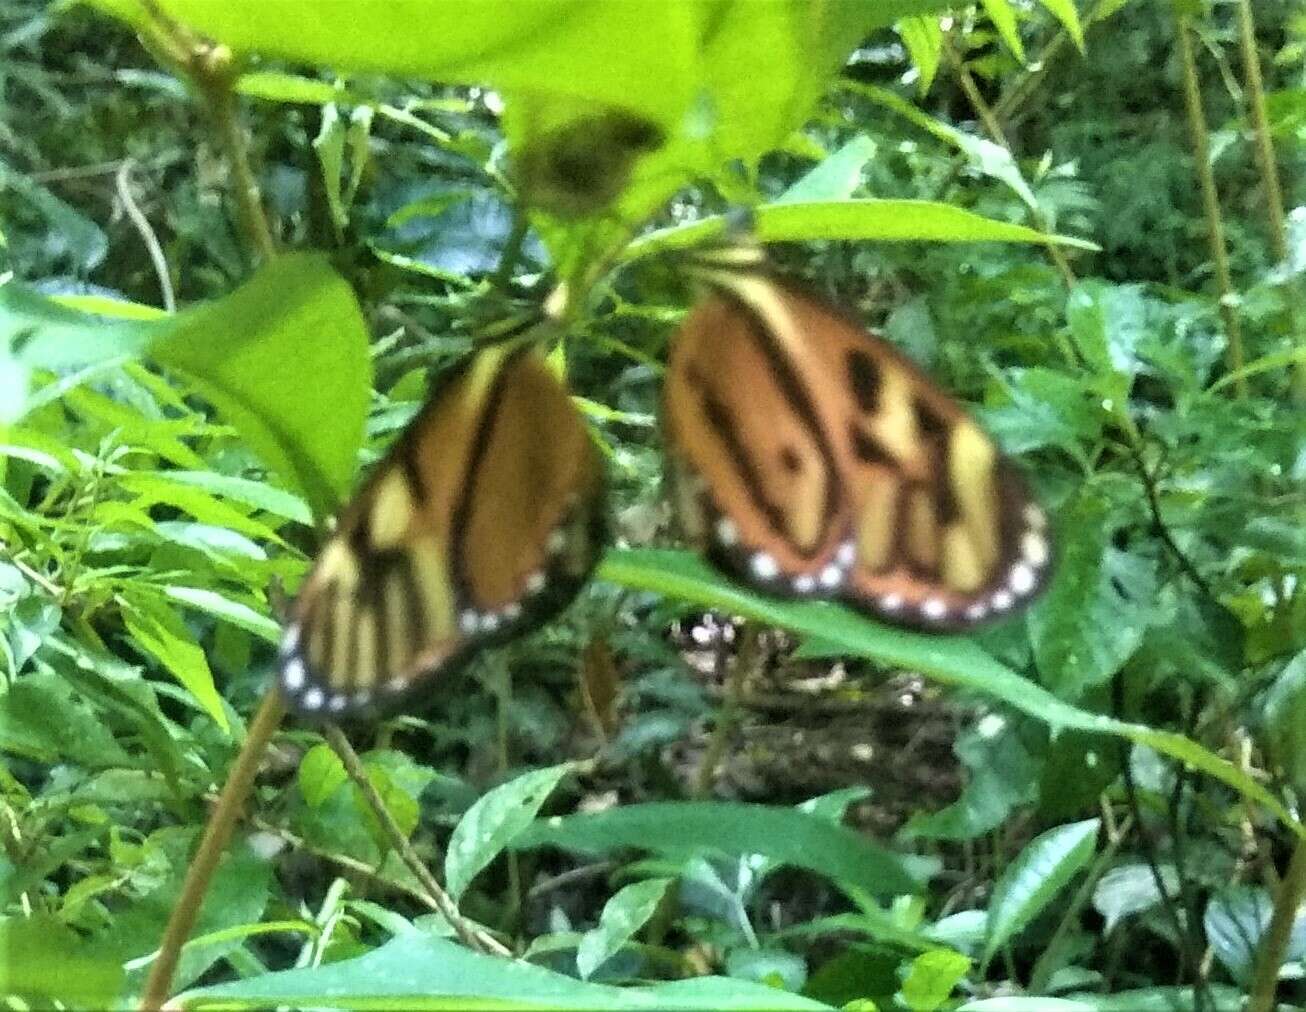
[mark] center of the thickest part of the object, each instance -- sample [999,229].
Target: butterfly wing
[482,520]
[843,470]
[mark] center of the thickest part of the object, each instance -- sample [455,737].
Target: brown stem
[1211,202]
[1274,943]
[469,934]
[216,834]
[1255,90]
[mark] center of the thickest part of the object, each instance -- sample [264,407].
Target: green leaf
[258,494]
[156,630]
[1285,720]
[865,218]
[399,804]
[1026,1003]
[785,835]
[953,660]
[1065,12]
[1036,877]
[495,821]
[923,38]
[242,616]
[773,967]
[835,178]
[1131,889]
[1234,921]
[421,973]
[320,774]
[931,979]
[1094,614]
[294,318]
[45,961]
[45,722]
[623,915]
[1003,775]
[1002,15]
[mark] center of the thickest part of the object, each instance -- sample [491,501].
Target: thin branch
[996,134]
[122,181]
[468,933]
[1274,943]
[216,834]
[1200,137]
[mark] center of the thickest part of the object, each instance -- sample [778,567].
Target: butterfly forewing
[922,521]
[478,522]
[763,449]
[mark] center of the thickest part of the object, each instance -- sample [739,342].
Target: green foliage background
[1008,191]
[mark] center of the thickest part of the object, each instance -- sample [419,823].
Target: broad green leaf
[495,821]
[931,979]
[835,178]
[1285,719]
[1146,999]
[773,967]
[46,722]
[219,606]
[1065,12]
[320,773]
[1131,889]
[785,835]
[1003,775]
[1234,922]
[399,804]
[294,318]
[45,961]
[1036,877]
[1098,606]
[861,219]
[923,37]
[623,915]
[953,660]
[1003,16]
[421,973]
[157,631]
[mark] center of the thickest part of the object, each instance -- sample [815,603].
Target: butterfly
[483,519]
[810,458]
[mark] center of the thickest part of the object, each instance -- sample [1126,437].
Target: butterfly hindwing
[481,520]
[868,482]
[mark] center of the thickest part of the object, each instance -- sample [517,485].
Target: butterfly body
[811,458]
[483,519]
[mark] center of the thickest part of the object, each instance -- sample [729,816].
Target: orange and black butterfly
[483,519]
[810,458]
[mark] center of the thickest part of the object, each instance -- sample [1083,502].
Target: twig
[468,933]
[122,181]
[1210,202]
[1255,92]
[996,134]
[216,834]
[1274,943]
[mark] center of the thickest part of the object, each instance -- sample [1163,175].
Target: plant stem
[996,134]
[1210,201]
[745,660]
[216,834]
[1274,943]
[467,932]
[215,78]
[1255,91]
